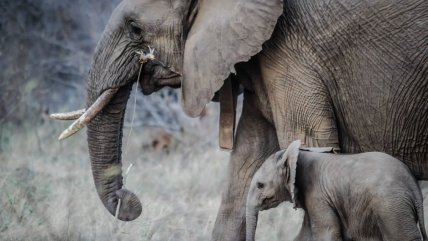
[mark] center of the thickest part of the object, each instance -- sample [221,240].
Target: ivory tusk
[84,117]
[72,115]
[89,114]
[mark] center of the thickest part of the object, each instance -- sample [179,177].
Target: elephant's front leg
[305,233]
[324,222]
[255,140]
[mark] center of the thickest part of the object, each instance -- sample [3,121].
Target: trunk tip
[130,206]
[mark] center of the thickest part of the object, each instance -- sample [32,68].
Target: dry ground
[47,192]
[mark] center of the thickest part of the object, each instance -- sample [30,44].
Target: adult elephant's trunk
[105,142]
[251,222]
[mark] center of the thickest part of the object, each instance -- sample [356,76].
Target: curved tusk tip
[62,137]
[65,134]
[71,130]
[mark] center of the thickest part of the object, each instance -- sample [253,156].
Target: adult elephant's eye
[260,185]
[134,30]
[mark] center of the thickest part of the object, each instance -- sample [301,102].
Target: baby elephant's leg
[325,224]
[305,233]
[399,224]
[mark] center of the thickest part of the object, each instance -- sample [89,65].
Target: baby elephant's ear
[288,163]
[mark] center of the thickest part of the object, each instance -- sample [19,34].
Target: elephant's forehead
[268,169]
[147,11]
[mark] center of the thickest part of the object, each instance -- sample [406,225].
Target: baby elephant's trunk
[251,223]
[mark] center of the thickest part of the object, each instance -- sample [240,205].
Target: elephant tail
[419,204]
[421,221]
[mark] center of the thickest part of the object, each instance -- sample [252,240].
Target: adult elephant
[349,74]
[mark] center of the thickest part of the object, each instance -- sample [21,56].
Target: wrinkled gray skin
[347,73]
[366,196]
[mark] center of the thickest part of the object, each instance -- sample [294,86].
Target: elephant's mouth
[270,204]
[155,75]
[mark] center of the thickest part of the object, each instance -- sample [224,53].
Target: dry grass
[47,192]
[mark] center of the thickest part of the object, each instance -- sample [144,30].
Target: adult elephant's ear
[223,33]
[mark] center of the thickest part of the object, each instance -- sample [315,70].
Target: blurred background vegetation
[45,53]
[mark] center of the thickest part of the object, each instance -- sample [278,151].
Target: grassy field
[47,191]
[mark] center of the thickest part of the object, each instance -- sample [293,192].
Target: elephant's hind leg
[255,140]
[399,226]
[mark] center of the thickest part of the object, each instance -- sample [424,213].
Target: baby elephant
[367,196]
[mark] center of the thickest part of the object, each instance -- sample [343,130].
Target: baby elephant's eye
[260,185]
